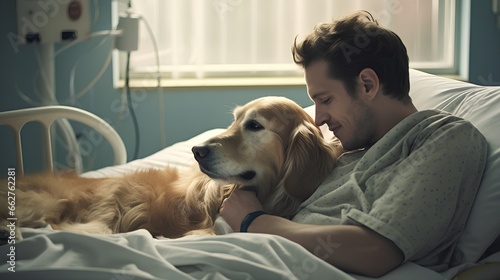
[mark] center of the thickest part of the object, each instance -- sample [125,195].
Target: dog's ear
[308,160]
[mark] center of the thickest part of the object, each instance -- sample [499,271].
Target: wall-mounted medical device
[52,21]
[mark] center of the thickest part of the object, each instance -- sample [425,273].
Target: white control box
[52,21]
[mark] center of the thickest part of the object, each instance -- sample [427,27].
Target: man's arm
[354,249]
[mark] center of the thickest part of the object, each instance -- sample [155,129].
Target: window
[210,39]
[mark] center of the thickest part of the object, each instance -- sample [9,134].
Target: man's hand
[237,206]
[355,249]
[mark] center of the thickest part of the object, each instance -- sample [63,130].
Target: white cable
[73,146]
[155,46]
[75,150]
[82,92]
[161,98]
[43,76]
[25,97]
[96,12]
[73,96]
[99,75]
[34,102]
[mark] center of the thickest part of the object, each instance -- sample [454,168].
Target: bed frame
[46,116]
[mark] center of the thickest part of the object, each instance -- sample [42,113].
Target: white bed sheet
[45,254]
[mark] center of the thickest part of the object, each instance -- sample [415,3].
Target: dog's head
[272,148]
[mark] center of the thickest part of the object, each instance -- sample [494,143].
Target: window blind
[203,39]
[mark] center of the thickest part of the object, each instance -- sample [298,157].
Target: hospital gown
[415,186]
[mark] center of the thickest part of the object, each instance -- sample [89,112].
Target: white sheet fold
[136,255]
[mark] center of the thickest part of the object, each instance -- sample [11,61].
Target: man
[404,188]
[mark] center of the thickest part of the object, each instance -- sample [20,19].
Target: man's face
[350,119]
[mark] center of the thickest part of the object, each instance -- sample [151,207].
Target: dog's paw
[205,231]
[35,224]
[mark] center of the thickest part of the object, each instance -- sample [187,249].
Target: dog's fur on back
[272,148]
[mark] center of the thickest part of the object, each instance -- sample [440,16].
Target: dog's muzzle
[200,153]
[204,157]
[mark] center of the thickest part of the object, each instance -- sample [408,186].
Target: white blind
[252,38]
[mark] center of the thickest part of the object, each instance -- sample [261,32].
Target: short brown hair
[353,43]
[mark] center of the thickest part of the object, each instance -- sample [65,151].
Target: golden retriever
[272,148]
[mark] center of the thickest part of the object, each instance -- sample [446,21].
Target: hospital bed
[47,254]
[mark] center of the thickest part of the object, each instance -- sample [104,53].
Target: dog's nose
[200,152]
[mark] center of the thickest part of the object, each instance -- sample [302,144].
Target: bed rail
[46,116]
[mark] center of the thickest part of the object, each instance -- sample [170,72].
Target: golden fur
[272,148]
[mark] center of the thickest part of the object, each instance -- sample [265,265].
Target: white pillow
[481,106]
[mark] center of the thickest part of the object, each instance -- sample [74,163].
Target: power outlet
[51,21]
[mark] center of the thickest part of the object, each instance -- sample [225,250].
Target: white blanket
[45,254]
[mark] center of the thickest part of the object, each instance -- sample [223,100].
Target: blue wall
[484,55]
[187,111]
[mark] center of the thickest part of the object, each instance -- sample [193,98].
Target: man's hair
[351,44]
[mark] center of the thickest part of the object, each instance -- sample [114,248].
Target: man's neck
[390,112]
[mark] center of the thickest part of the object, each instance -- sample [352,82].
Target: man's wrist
[245,223]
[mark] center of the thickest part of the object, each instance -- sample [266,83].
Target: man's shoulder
[449,130]
[434,127]
[442,121]
[446,119]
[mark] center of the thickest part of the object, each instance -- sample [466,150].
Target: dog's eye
[253,125]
